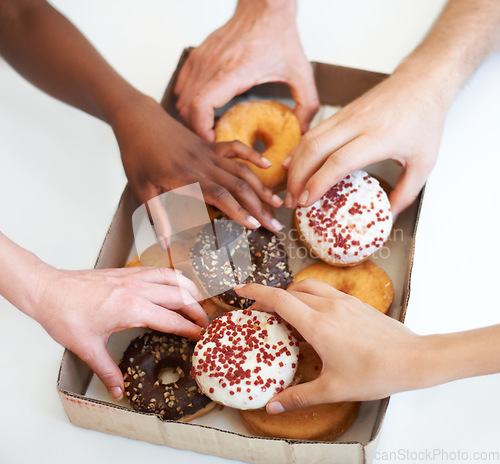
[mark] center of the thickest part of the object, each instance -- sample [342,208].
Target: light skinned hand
[81,309]
[401,118]
[257,45]
[159,154]
[365,354]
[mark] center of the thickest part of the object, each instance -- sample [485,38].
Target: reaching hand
[366,355]
[402,119]
[257,45]
[81,309]
[159,154]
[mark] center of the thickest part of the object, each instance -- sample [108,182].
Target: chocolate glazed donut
[269,261]
[142,362]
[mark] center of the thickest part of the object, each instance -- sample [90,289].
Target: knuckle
[311,144]
[219,193]
[280,296]
[242,170]
[298,399]
[242,188]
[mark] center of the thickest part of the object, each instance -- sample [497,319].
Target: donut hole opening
[169,375]
[261,142]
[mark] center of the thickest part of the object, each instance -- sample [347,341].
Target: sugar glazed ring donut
[142,363]
[349,223]
[271,122]
[244,357]
[366,281]
[323,422]
[269,261]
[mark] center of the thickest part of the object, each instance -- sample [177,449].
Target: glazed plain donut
[269,261]
[323,422]
[349,223]
[244,357]
[271,122]
[142,363]
[366,281]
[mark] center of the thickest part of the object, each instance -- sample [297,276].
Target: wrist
[127,110]
[278,9]
[24,278]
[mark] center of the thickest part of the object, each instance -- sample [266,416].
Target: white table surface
[61,178]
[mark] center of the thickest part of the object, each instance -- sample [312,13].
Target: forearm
[454,356]
[44,47]
[465,34]
[20,277]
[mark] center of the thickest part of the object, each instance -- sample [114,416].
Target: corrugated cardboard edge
[74,375]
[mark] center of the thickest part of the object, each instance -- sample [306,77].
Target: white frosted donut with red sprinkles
[243,358]
[349,223]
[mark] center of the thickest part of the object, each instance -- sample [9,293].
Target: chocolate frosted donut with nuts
[142,363]
[349,223]
[268,264]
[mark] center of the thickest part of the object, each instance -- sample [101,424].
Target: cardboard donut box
[337,86]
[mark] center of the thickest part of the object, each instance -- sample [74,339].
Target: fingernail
[303,197]
[276,200]
[289,201]
[266,162]
[253,222]
[286,162]
[236,287]
[275,407]
[116,393]
[276,225]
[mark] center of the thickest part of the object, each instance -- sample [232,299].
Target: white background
[61,178]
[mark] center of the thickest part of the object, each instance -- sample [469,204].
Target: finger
[242,171]
[305,94]
[218,91]
[99,360]
[355,155]
[299,397]
[170,297]
[158,318]
[314,287]
[243,192]
[161,222]
[277,300]
[219,196]
[407,188]
[312,151]
[167,276]
[236,149]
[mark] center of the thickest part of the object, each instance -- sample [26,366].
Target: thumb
[298,397]
[99,360]
[305,95]
[407,189]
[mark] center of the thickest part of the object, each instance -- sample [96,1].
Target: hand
[402,119]
[366,355]
[159,155]
[81,309]
[259,44]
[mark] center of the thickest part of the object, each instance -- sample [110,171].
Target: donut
[323,422]
[142,364]
[268,121]
[366,281]
[244,357]
[349,223]
[268,261]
